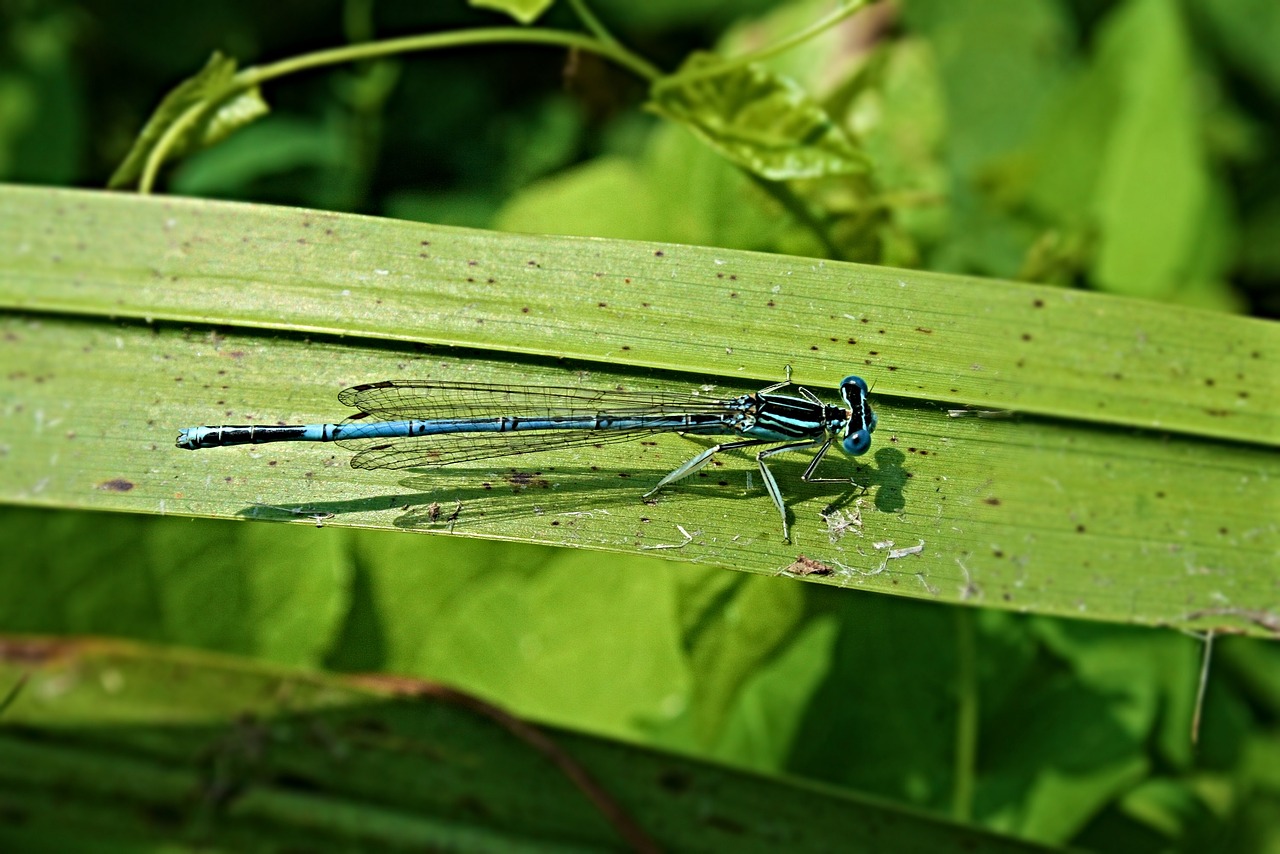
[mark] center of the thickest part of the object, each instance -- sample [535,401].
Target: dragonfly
[402,424]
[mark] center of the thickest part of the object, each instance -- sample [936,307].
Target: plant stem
[170,137]
[967,716]
[592,23]
[434,41]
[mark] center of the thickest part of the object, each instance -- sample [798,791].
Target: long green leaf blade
[1067,515]
[922,336]
[104,736]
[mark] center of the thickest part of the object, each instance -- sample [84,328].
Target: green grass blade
[104,738]
[922,336]
[1137,483]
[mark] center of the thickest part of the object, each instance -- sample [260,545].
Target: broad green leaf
[102,737]
[759,120]
[607,197]
[503,620]
[156,581]
[511,624]
[902,755]
[200,110]
[919,336]
[264,150]
[767,719]
[1154,186]
[1112,155]
[524,11]
[733,630]
[678,191]
[1134,477]
[996,63]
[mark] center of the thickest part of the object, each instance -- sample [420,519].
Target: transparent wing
[430,451]
[428,399]
[397,399]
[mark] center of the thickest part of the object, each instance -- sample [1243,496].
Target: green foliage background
[1125,147]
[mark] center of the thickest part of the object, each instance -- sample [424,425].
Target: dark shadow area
[526,491]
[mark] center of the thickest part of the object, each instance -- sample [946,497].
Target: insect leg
[771,484]
[702,459]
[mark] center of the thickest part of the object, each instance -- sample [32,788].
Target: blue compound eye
[857,444]
[858,381]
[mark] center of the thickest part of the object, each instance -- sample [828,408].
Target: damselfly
[436,423]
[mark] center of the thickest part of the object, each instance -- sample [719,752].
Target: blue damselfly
[435,423]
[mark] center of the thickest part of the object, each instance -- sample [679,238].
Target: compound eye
[858,381]
[858,443]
